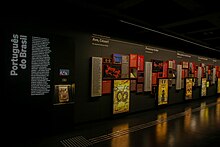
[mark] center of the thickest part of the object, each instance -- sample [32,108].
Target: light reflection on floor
[204,115]
[218,110]
[121,141]
[188,128]
[188,119]
[161,128]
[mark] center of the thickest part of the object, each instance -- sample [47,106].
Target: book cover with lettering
[162,91]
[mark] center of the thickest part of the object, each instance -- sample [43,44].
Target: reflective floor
[191,124]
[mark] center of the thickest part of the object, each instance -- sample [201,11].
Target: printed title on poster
[19,54]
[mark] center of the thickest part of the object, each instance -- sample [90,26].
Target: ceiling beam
[209,17]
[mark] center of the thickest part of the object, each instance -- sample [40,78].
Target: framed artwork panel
[162,95]
[121,96]
[188,88]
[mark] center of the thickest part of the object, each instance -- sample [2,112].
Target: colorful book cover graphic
[111,71]
[117,58]
[121,96]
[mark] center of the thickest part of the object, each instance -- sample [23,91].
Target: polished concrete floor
[191,124]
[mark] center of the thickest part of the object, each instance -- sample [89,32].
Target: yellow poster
[121,96]
[218,86]
[188,93]
[163,91]
[63,92]
[203,89]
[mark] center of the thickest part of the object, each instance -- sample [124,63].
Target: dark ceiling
[185,25]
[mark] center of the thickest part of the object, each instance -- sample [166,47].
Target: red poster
[183,73]
[165,66]
[174,64]
[196,73]
[154,78]
[133,60]
[140,63]
[216,67]
[106,86]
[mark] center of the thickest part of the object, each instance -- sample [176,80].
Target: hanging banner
[121,96]
[199,75]
[96,83]
[213,76]
[179,77]
[148,76]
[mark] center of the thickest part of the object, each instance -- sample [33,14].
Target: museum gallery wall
[91,77]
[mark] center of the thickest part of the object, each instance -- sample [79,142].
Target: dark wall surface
[73,50]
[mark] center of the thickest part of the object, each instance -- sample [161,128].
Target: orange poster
[133,60]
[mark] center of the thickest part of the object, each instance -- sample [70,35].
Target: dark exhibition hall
[125,73]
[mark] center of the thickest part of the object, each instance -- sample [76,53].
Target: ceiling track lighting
[165,34]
